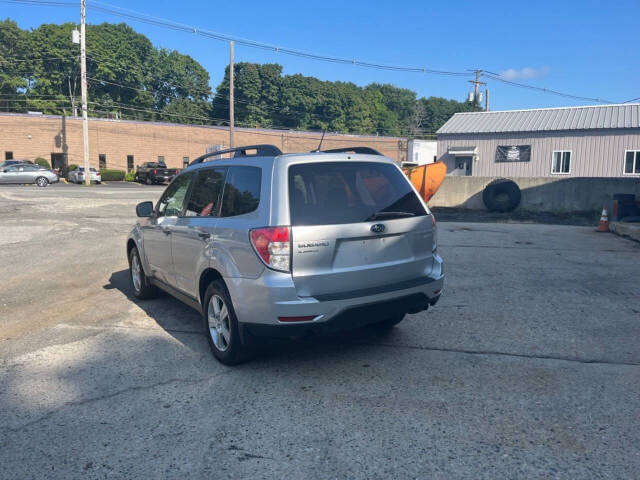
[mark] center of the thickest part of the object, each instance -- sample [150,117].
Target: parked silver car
[267,244]
[27,173]
[77,175]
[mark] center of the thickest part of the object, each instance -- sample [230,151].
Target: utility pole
[83,88]
[476,93]
[486,99]
[231,112]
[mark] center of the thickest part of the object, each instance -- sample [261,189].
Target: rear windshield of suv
[330,193]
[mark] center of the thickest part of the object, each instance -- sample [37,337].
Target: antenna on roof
[321,139]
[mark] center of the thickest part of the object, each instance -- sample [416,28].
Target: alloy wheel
[219,323]
[136,273]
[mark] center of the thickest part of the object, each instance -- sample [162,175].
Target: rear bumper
[260,302]
[350,318]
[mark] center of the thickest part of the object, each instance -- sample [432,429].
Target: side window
[241,191]
[632,162]
[205,195]
[170,205]
[561,162]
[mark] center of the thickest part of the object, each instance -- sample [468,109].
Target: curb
[629,230]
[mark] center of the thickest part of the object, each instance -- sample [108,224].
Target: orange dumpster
[427,178]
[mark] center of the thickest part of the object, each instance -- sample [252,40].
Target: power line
[499,78]
[165,23]
[45,3]
[172,25]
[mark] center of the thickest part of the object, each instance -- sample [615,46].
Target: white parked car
[77,175]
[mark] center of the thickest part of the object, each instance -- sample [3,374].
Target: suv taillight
[273,246]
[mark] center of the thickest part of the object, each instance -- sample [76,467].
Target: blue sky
[584,48]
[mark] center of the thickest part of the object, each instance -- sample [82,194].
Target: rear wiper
[388,215]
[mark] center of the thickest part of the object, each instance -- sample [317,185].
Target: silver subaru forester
[272,244]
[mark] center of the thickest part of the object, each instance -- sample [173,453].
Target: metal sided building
[592,141]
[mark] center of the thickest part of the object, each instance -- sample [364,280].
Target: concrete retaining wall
[538,194]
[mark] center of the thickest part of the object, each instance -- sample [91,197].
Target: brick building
[122,144]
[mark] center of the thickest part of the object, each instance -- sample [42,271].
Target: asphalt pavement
[528,367]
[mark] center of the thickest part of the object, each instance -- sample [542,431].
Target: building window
[8,155]
[632,162]
[185,162]
[102,161]
[561,164]
[129,163]
[160,158]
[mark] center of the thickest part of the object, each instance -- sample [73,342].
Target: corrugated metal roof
[544,119]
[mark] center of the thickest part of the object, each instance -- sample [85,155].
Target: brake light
[155,171]
[273,246]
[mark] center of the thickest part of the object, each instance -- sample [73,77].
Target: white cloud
[524,73]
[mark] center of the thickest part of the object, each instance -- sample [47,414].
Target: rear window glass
[242,191]
[349,192]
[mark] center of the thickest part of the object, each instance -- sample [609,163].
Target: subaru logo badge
[378,228]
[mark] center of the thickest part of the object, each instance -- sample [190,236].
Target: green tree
[400,101]
[437,110]
[180,85]
[13,62]
[129,77]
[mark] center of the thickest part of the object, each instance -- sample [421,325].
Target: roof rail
[261,151]
[366,150]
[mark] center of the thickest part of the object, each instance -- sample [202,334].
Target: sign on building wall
[513,153]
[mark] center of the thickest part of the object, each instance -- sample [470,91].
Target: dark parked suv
[289,245]
[152,173]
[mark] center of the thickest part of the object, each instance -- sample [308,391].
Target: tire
[501,195]
[149,181]
[219,317]
[42,182]
[389,322]
[142,288]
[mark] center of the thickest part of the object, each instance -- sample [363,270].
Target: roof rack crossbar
[365,150]
[261,151]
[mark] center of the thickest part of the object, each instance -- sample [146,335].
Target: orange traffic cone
[604,221]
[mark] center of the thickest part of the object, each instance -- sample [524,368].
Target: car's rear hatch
[358,228]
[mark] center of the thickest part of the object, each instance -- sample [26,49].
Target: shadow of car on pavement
[176,318]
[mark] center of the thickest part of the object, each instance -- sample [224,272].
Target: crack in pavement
[106,396]
[502,354]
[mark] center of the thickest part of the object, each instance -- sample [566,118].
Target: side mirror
[144,209]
